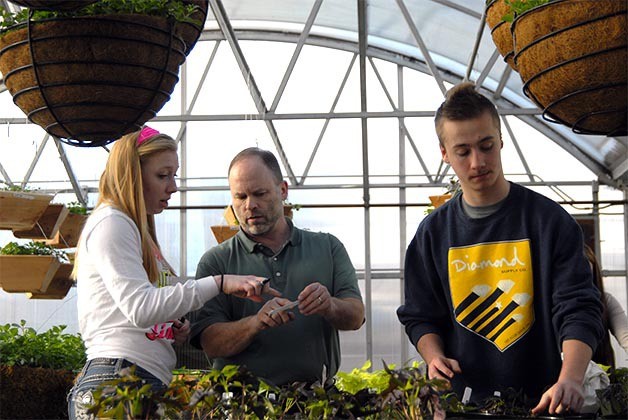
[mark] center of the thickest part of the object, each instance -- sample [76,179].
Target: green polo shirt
[296,351]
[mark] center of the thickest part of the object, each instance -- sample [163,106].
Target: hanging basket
[69,232]
[47,225]
[89,80]
[22,210]
[27,273]
[572,57]
[500,30]
[191,32]
[54,5]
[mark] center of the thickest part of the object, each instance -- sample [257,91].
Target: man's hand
[430,346]
[563,396]
[567,394]
[268,319]
[441,367]
[315,299]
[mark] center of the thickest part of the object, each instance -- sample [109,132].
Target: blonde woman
[125,319]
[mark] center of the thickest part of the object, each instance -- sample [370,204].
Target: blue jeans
[94,373]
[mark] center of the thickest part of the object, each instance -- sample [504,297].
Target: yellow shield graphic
[492,290]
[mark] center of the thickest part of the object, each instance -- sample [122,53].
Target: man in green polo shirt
[313,269]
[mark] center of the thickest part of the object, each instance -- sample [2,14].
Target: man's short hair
[463,102]
[268,159]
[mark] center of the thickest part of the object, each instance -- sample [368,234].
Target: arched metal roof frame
[606,157]
[335,26]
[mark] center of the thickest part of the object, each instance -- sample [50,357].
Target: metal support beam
[297,51]
[35,160]
[68,168]
[324,129]
[401,121]
[402,210]
[5,175]
[426,53]
[225,26]
[515,143]
[476,46]
[368,290]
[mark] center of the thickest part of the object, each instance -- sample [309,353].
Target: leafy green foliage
[173,9]
[517,7]
[361,379]
[76,208]
[614,399]
[13,187]
[23,346]
[235,393]
[32,248]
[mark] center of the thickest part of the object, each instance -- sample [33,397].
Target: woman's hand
[250,287]
[181,330]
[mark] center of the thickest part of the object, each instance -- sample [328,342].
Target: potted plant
[47,225]
[233,392]
[572,57]
[92,74]
[21,208]
[438,200]
[31,267]
[37,370]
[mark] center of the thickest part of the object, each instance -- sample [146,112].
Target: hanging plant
[91,75]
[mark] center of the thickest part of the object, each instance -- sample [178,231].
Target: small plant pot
[89,80]
[47,225]
[21,210]
[439,200]
[572,57]
[500,30]
[58,287]
[27,273]
[69,232]
[222,232]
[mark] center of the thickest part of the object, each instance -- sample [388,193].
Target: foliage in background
[235,393]
[174,9]
[614,399]
[23,346]
[32,248]
[14,187]
[76,208]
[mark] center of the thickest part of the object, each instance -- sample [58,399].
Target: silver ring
[320,301]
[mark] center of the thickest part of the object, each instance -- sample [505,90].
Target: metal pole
[402,209]
[363,44]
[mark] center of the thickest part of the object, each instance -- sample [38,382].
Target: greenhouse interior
[344,94]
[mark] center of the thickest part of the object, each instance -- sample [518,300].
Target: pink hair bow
[145,134]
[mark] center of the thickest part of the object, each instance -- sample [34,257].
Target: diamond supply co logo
[492,290]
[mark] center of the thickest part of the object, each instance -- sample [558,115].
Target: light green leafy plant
[32,248]
[23,346]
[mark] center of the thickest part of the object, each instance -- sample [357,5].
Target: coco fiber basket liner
[500,30]
[572,57]
[90,80]
[190,32]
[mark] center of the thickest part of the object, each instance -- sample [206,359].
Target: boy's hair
[463,102]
